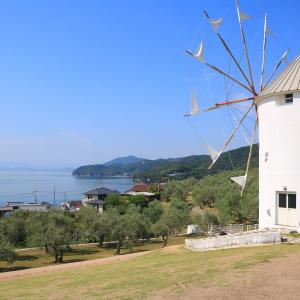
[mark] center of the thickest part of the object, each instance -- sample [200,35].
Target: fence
[213,230]
[234,240]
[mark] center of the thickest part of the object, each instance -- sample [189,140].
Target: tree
[221,192]
[128,226]
[170,223]
[37,230]
[178,189]
[94,227]
[234,208]
[154,210]
[138,200]
[59,233]
[119,202]
[16,227]
[7,252]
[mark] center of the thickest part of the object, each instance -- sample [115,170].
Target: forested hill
[179,168]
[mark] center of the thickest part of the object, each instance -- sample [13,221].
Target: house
[98,204]
[14,205]
[96,197]
[140,187]
[279,164]
[72,205]
[149,196]
[144,190]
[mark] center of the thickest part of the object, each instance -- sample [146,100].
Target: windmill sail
[242,16]
[195,107]
[216,24]
[199,55]
[240,180]
[269,31]
[214,154]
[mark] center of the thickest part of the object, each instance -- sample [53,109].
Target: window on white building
[289,98]
[282,200]
[291,200]
[287,200]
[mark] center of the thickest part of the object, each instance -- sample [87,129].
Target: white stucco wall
[279,154]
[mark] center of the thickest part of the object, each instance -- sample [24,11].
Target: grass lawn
[38,258]
[159,271]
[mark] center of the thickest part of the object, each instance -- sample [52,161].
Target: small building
[72,205]
[98,204]
[149,196]
[11,206]
[140,187]
[96,197]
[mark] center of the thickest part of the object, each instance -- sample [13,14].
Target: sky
[82,82]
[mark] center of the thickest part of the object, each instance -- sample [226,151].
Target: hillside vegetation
[219,192]
[179,168]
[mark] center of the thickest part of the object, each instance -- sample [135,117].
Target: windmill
[246,83]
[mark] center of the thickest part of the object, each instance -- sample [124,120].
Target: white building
[279,153]
[96,198]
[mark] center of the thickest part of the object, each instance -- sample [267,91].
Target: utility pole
[54,195]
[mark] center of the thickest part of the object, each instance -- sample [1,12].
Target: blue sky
[85,81]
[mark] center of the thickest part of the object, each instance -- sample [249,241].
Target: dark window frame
[282,200]
[287,200]
[289,98]
[292,200]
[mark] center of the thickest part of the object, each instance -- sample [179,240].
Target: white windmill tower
[276,105]
[279,164]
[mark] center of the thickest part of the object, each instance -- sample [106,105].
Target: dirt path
[278,279]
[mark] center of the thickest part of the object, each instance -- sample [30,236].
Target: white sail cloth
[240,180]
[199,54]
[195,107]
[216,24]
[214,154]
[242,16]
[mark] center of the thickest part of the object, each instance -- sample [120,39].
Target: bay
[19,185]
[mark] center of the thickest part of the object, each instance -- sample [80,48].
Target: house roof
[286,82]
[95,202]
[140,187]
[101,191]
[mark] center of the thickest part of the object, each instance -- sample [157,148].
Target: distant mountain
[123,160]
[178,168]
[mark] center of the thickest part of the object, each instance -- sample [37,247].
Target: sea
[53,186]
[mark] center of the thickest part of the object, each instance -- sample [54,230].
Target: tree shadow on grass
[13,268]
[82,251]
[26,258]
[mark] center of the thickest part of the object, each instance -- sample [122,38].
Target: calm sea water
[19,185]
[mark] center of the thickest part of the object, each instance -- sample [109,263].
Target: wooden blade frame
[245,47]
[276,67]
[231,136]
[232,56]
[223,73]
[221,104]
[249,156]
[263,55]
